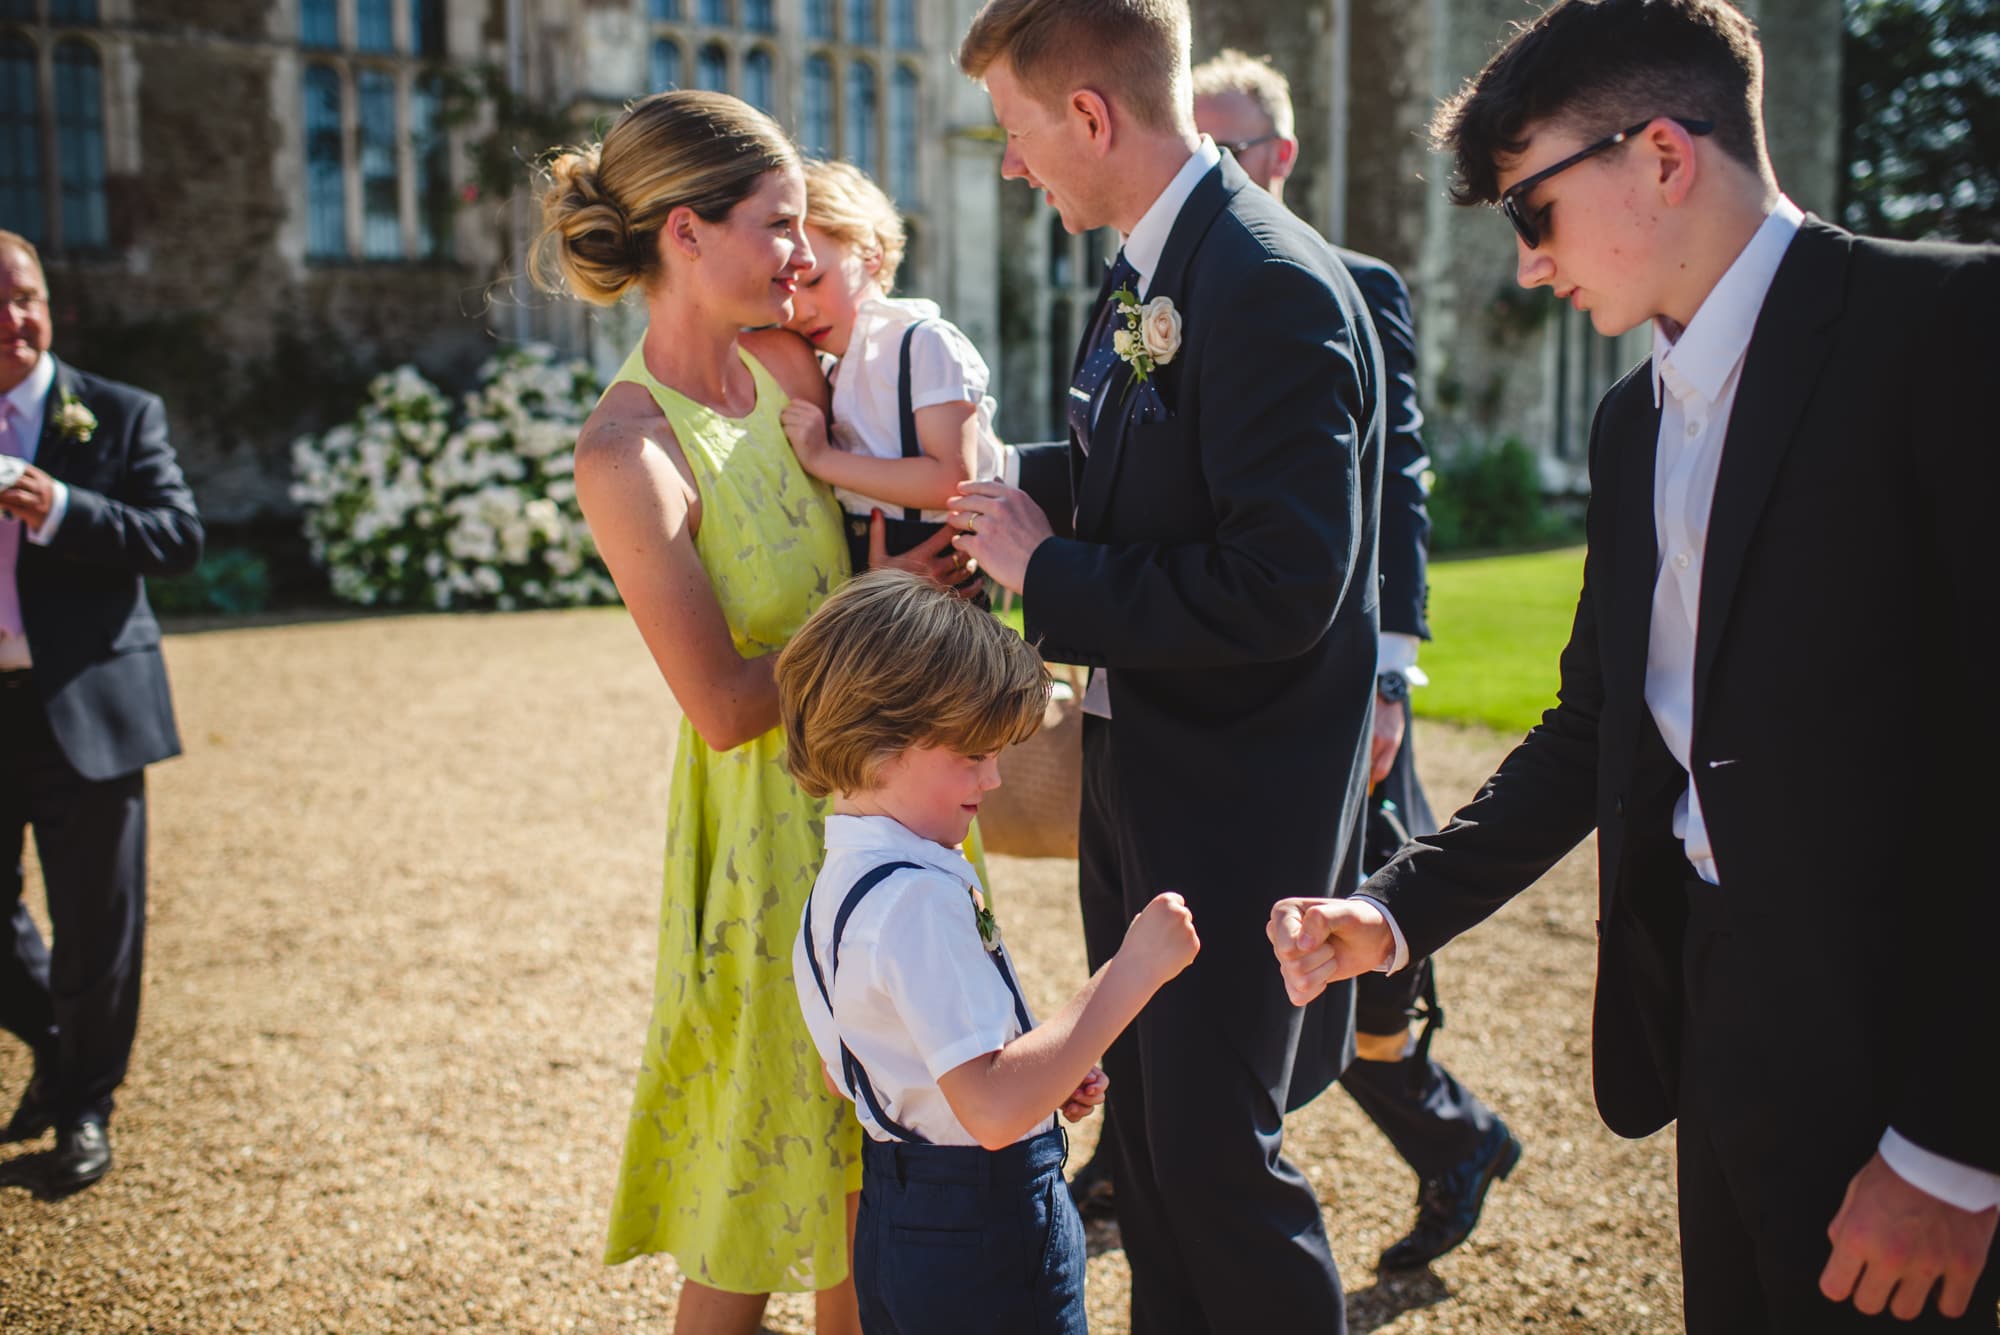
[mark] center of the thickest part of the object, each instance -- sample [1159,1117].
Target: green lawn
[1500,623]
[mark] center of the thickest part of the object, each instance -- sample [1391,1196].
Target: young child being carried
[911,416]
[896,698]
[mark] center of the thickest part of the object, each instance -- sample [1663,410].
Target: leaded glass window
[20,141]
[816,120]
[80,145]
[903,91]
[711,68]
[758,79]
[863,116]
[375,30]
[666,72]
[319,23]
[381,220]
[326,182]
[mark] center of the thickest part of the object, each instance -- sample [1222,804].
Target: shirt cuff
[1397,652]
[1401,955]
[1954,1183]
[58,507]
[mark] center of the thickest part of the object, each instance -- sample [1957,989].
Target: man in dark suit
[95,503]
[1454,1142]
[1226,463]
[1787,542]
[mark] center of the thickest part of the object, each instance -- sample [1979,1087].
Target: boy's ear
[871,261]
[1675,161]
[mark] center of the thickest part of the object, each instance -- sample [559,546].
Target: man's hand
[1893,1242]
[1088,1095]
[933,558]
[1321,941]
[1388,740]
[30,498]
[999,529]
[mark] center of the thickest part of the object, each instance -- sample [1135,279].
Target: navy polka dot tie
[1102,359]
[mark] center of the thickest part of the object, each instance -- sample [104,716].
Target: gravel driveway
[404,896]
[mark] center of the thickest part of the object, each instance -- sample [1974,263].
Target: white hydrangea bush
[411,505]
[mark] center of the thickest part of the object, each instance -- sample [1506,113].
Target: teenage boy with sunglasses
[1787,572]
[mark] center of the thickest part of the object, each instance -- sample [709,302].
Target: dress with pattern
[737,1159]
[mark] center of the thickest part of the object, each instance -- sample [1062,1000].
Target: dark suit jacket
[1224,568]
[1406,521]
[96,643]
[1847,577]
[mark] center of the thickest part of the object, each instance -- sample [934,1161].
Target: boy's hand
[805,428]
[1088,1095]
[1162,940]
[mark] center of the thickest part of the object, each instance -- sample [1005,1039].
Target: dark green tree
[1920,119]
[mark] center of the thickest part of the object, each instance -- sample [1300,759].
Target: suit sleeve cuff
[1954,1183]
[58,507]
[1400,957]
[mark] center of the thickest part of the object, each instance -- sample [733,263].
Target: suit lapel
[1121,397]
[52,447]
[1795,332]
[1633,438]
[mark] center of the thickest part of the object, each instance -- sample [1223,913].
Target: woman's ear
[681,233]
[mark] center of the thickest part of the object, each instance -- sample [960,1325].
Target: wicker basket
[1033,812]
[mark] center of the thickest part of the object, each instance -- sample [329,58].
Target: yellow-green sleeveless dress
[737,1160]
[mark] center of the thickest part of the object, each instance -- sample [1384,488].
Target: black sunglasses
[1511,202]
[1242,146]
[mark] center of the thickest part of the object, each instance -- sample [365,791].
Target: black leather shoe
[1448,1206]
[83,1154]
[1093,1190]
[33,1117]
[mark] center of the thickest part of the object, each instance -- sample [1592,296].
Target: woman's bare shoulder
[625,423]
[791,362]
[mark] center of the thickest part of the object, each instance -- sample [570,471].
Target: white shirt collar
[897,312]
[31,394]
[1148,239]
[886,835]
[1700,361]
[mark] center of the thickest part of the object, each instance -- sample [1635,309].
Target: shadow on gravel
[30,1173]
[1389,1297]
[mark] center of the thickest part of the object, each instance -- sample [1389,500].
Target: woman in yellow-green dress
[738,1160]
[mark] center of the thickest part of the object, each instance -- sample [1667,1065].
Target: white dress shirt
[867,409]
[28,402]
[1695,379]
[915,993]
[1143,247]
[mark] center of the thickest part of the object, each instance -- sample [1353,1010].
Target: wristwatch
[1392,686]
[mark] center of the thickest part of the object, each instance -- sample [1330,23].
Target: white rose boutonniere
[1151,336]
[1160,328]
[75,421]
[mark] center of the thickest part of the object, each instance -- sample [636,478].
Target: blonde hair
[892,661]
[844,203]
[1232,71]
[1133,51]
[606,203]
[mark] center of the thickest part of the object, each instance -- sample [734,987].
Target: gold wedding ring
[971,522]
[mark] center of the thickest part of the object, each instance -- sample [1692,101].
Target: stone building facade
[251,205]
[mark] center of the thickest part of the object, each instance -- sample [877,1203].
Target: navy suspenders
[906,416]
[857,1077]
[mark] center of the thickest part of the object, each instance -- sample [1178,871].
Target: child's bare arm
[948,433]
[1000,1096]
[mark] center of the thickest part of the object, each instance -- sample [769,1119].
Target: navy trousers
[959,1240]
[77,1005]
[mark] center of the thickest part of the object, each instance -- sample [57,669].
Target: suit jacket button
[1618,806]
